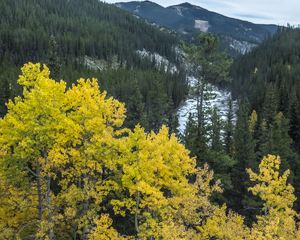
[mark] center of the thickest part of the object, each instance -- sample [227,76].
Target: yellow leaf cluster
[68,167]
[279,220]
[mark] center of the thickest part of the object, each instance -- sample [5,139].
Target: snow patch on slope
[202,25]
[101,65]
[137,9]
[242,47]
[159,60]
[178,10]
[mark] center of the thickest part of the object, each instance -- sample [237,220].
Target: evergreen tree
[156,105]
[245,157]
[294,130]
[5,94]
[279,141]
[190,135]
[262,139]
[172,119]
[229,129]
[135,107]
[270,105]
[209,64]
[53,58]
[215,132]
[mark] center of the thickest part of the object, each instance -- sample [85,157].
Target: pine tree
[135,107]
[245,157]
[5,94]
[215,133]
[270,105]
[279,142]
[172,118]
[209,65]
[53,61]
[229,129]
[295,124]
[190,135]
[156,105]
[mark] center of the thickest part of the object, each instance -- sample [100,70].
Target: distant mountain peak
[149,2]
[186,5]
[189,19]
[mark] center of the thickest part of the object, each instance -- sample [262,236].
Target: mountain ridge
[189,19]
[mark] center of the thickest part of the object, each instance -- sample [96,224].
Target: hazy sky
[258,11]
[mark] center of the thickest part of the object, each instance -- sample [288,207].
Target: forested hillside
[269,80]
[80,28]
[79,38]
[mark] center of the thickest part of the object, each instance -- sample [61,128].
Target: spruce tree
[135,107]
[172,119]
[54,62]
[215,132]
[190,135]
[229,129]
[294,130]
[279,140]
[209,65]
[270,105]
[5,94]
[245,156]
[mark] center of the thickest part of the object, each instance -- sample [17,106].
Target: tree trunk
[48,200]
[50,211]
[136,218]
[39,192]
[85,229]
[200,95]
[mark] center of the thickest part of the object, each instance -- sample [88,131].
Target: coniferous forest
[90,144]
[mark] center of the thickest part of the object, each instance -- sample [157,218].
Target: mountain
[189,19]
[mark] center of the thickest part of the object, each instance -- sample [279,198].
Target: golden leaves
[64,152]
[279,220]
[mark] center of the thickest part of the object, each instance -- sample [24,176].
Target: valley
[134,120]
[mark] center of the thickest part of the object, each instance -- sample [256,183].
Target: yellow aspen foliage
[173,230]
[279,218]
[155,171]
[195,206]
[31,73]
[104,230]
[28,132]
[88,159]
[64,142]
[224,226]
[17,211]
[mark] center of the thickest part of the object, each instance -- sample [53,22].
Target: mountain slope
[189,19]
[275,62]
[89,38]
[217,23]
[269,77]
[80,28]
[152,12]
